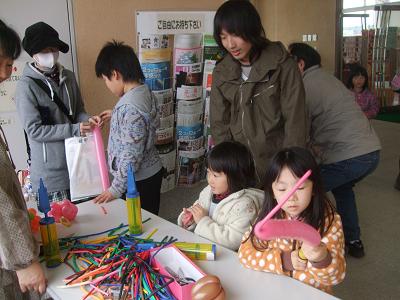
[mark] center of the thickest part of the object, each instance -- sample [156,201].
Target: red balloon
[70,211]
[35,224]
[65,202]
[56,211]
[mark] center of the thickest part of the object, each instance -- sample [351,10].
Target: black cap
[39,36]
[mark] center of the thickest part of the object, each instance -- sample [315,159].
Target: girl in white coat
[229,204]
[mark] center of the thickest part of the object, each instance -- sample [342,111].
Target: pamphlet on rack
[209,142]
[190,145]
[190,167]
[211,49]
[166,109]
[189,132]
[168,183]
[190,107]
[209,66]
[153,41]
[188,120]
[164,96]
[188,56]
[155,55]
[167,121]
[154,47]
[206,111]
[164,136]
[168,162]
[189,92]
[157,75]
[188,49]
[188,75]
[187,59]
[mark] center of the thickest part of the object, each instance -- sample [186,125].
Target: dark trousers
[340,178]
[149,190]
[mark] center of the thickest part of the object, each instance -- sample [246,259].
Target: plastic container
[133,205]
[198,251]
[51,248]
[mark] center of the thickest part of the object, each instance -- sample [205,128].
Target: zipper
[244,132]
[69,99]
[44,152]
[263,91]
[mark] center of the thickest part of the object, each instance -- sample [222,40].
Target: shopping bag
[87,168]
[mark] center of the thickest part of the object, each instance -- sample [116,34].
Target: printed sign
[174,22]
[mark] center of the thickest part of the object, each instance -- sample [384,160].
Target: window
[352,26]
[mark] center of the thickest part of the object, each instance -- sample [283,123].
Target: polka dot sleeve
[334,273]
[268,260]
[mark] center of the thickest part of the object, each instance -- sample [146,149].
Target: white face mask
[46,60]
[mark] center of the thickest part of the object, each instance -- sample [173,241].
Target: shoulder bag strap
[56,99]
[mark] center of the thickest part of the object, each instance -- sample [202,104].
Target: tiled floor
[377,275]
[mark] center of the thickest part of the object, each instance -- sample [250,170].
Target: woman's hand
[32,278]
[105,196]
[198,212]
[314,253]
[84,128]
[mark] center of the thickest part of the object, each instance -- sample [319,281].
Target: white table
[239,283]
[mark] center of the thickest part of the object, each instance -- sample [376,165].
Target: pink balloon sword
[269,228]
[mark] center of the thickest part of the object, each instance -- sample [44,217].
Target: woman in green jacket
[257,95]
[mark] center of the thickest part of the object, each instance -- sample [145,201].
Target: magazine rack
[178,53]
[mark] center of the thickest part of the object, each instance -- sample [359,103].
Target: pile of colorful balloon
[117,266]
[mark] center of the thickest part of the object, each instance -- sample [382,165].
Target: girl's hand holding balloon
[198,212]
[315,253]
[187,218]
[298,263]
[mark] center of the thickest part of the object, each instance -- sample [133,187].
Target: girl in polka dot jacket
[322,266]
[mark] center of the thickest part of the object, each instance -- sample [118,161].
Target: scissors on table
[179,278]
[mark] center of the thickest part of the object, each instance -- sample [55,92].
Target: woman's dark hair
[240,17]
[235,160]
[308,54]
[298,161]
[10,44]
[357,70]
[115,56]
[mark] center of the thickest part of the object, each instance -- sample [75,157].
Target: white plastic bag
[83,167]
